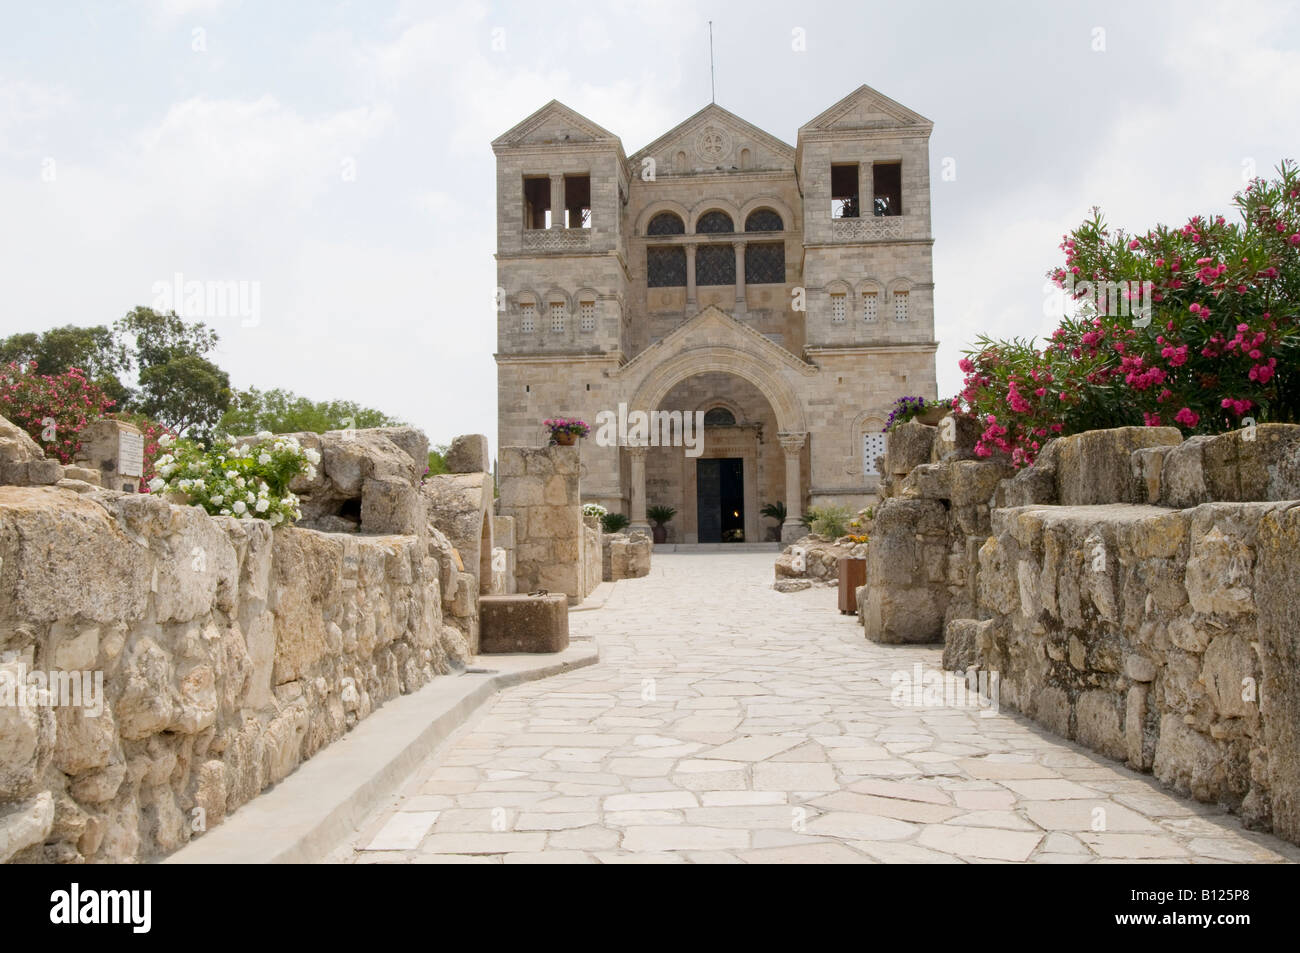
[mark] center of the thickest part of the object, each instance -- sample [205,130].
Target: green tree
[282,411]
[95,350]
[438,459]
[179,386]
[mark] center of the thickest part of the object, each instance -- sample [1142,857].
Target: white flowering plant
[246,479]
[593,509]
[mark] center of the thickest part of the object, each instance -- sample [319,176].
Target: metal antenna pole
[713,92]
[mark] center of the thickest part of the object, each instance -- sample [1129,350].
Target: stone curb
[315,809]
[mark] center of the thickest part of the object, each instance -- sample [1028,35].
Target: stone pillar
[740,277]
[866,191]
[637,457]
[690,279]
[792,444]
[557,200]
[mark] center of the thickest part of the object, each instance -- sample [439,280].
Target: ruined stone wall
[539,488]
[229,654]
[194,660]
[625,555]
[591,554]
[1134,592]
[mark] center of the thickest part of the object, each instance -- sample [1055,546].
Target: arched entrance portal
[751,454]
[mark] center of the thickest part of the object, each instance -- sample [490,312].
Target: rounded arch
[556,293]
[722,403]
[715,222]
[654,387]
[838,286]
[900,284]
[654,208]
[527,296]
[666,223]
[585,294]
[867,286]
[767,201]
[700,209]
[867,424]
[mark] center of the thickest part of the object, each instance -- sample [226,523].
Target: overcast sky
[337,153]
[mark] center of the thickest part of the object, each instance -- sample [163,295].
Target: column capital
[636,450]
[792,442]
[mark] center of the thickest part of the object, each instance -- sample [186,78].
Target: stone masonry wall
[217,654]
[1134,592]
[539,488]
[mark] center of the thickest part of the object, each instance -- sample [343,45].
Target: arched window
[666,223]
[719,417]
[764,220]
[714,223]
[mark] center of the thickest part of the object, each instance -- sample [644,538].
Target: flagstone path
[728,723]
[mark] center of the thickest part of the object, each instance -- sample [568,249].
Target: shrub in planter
[614,522]
[660,515]
[565,431]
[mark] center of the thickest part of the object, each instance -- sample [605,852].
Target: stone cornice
[560,357]
[849,350]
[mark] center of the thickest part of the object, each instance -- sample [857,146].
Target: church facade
[782,294]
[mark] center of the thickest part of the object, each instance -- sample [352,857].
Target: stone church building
[784,291]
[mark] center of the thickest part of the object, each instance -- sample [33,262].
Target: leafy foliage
[1212,343]
[614,522]
[282,411]
[52,408]
[247,480]
[661,514]
[829,521]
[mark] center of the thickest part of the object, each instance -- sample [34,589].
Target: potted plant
[660,515]
[774,511]
[919,409]
[565,431]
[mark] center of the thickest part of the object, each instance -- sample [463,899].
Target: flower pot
[932,415]
[660,533]
[566,439]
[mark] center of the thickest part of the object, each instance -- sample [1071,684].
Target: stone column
[792,444]
[740,277]
[637,457]
[690,279]
[866,191]
[557,200]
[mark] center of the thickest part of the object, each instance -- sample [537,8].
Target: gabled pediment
[713,328]
[864,108]
[715,137]
[555,124]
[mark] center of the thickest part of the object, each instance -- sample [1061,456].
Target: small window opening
[838,308]
[844,191]
[537,202]
[887,188]
[577,201]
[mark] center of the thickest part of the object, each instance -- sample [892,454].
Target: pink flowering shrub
[1195,327]
[52,408]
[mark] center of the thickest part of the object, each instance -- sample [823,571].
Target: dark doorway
[720,500]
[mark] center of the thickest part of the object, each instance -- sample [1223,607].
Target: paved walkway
[729,723]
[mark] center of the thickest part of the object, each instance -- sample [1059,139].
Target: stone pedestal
[521,623]
[116,450]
